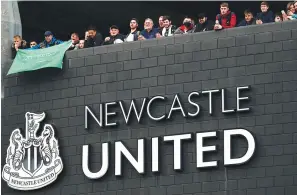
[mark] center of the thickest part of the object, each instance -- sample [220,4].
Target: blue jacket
[265,17]
[151,34]
[45,44]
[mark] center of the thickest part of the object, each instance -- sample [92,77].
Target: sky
[63,18]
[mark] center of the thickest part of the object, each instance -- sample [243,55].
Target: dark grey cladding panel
[261,56]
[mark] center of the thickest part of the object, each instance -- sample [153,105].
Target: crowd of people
[225,19]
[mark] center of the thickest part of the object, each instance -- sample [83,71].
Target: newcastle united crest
[32,162]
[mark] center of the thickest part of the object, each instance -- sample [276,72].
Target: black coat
[93,42]
[206,26]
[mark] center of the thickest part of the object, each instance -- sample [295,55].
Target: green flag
[28,60]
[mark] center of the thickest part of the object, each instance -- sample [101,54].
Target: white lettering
[132,105]
[177,147]
[149,105]
[193,103]
[176,100]
[201,149]
[227,146]
[137,164]
[210,98]
[88,110]
[109,114]
[241,98]
[105,162]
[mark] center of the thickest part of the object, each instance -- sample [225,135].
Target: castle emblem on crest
[32,162]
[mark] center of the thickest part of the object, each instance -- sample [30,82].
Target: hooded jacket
[223,20]
[45,44]
[23,45]
[265,17]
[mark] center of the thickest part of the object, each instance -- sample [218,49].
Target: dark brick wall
[264,57]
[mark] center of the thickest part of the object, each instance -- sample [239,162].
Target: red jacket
[223,19]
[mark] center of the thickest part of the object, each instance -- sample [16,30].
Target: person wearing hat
[115,36]
[204,24]
[49,41]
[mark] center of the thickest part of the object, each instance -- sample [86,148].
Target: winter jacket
[182,30]
[113,38]
[23,45]
[93,42]
[265,17]
[228,20]
[167,32]
[45,44]
[206,26]
[149,35]
[245,23]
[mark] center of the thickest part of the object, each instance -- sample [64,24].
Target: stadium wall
[261,57]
